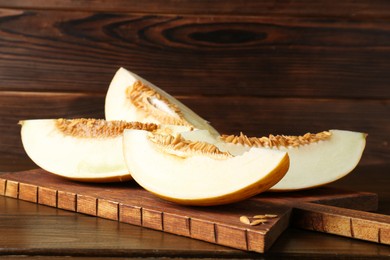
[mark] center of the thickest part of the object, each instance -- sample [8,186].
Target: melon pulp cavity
[79,149]
[132,98]
[315,159]
[184,169]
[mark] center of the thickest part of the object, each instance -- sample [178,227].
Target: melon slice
[192,172]
[315,159]
[132,98]
[80,149]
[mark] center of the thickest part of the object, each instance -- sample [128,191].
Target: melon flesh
[318,163]
[83,159]
[118,105]
[199,179]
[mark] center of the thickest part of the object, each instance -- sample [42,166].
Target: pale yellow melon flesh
[318,163]
[150,105]
[94,157]
[200,179]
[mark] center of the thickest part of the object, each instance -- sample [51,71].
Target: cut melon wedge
[315,159]
[197,173]
[79,149]
[132,98]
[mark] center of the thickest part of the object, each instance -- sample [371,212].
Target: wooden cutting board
[324,209]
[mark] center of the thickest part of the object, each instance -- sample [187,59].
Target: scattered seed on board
[245,220]
[258,219]
[257,222]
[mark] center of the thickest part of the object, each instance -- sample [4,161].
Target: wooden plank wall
[282,67]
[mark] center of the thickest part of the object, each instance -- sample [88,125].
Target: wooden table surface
[36,230]
[261,67]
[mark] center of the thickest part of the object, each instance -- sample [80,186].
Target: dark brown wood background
[282,67]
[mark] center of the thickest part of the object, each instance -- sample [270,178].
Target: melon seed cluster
[275,141]
[181,147]
[98,128]
[148,100]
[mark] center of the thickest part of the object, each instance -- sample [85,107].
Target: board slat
[11,189]
[28,192]
[87,205]
[130,214]
[47,196]
[66,200]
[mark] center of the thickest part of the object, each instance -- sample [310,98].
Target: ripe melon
[91,149]
[194,172]
[315,159]
[79,149]
[132,98]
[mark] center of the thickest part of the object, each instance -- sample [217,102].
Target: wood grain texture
[47,197]
[66,200]
[376,181]
[130,214]
[196,56]
[36,230]
[221,221]
[345,222]
[347,8]
[49,233]
[87,205]
[28,192]
[11,189]
[107,209]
